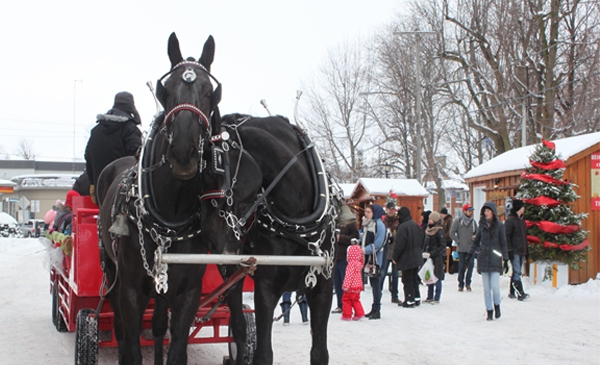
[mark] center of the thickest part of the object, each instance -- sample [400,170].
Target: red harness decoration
[185,106]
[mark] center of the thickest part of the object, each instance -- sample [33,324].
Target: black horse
[151,205]
[267,193]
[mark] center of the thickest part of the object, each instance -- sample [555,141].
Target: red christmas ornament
[548,144]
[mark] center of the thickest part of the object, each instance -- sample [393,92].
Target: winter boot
[375,314]
[521,295]
[490,314]
[511,290]
[497,313]
[303,309]
[285,309]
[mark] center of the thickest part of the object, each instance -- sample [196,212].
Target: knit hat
[516,205]
[403,213]
[435,216]
[390,205]
[444,211]
[69,199]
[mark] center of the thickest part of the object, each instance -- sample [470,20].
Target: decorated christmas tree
[554,231]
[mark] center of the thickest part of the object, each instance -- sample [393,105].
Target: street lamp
[74,104]
[386,169]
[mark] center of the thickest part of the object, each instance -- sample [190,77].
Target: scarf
[431,231]
[466,221]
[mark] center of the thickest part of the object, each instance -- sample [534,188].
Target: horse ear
[208,53]
[173,50]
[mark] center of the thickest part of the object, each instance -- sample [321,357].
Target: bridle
[189,76]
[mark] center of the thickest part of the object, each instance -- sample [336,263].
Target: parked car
[8,226]
[33,228]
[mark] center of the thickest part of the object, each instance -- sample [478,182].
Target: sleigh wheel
[250,340]
[57,318]
[86,338]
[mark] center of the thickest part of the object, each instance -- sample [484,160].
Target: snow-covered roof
[518,159]
[408,187]
[347,189]
[7,183]
[58,180]
[448,184]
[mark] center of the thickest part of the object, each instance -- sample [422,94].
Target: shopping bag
[426,273]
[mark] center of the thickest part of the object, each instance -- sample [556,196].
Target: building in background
[29,188]
[498,179]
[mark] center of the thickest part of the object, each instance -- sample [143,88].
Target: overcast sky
[63,61]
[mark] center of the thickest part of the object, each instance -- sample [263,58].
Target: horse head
[191,113]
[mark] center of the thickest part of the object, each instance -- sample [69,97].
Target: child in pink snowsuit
[353,285]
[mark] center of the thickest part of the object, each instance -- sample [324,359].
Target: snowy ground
[553,327]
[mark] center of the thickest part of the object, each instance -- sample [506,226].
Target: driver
[116,135]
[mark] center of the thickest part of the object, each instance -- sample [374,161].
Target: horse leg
[319,300]
[129,311]
[237,321]
[264,303]
[159,327]
[183,310]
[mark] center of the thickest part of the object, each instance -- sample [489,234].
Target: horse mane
[235,118]
[158,120]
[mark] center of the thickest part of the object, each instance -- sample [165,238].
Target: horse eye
[209,94]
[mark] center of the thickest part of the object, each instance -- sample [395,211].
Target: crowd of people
[394,238]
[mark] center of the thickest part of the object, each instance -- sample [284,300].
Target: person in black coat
[491,240]
[435,248]
[346,224]
[116,135]
[516,242]
[408,257]
[82,184]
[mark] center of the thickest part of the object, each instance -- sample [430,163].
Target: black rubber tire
[86,338]
[250,340]
[57,319]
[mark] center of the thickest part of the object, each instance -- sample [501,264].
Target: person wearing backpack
[463,232]
[372,238]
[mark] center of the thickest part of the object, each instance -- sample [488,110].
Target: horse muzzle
[187,172]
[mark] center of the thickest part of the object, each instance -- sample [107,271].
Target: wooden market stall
[408,191]
[499,178]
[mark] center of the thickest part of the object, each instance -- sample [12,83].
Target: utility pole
[74,104]
[418,35]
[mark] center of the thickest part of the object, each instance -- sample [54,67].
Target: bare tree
[25,149]
[334,117]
